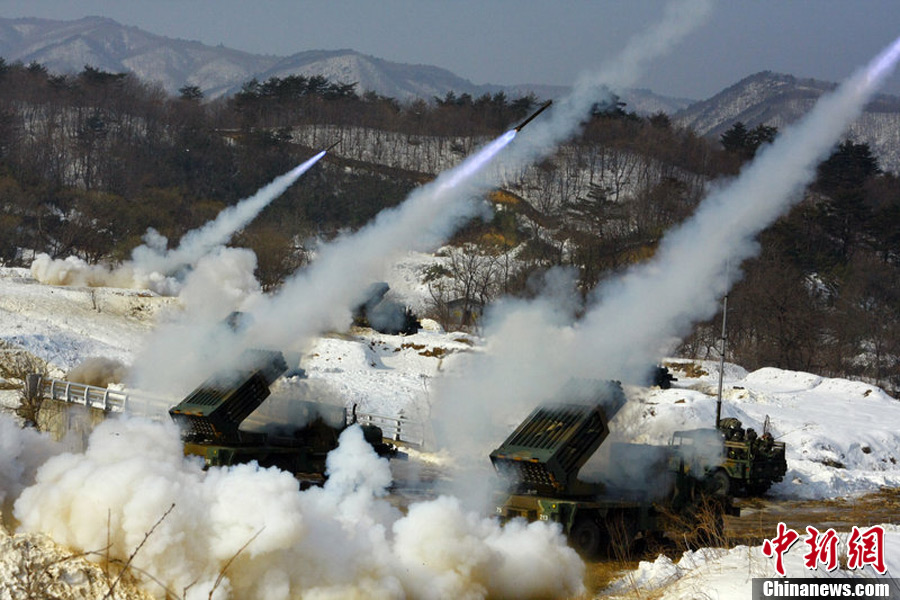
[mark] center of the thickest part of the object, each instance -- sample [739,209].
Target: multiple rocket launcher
[212,414]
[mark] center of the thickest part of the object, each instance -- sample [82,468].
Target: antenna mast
[722,360]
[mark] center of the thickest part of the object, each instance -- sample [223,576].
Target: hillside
[67,46]
[778,100]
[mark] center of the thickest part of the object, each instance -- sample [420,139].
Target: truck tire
[586,537]
[718,483]
[757,488]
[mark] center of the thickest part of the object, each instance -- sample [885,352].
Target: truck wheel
[757,488]
[718,483]
[585,538]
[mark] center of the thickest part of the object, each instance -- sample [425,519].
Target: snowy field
[842,437]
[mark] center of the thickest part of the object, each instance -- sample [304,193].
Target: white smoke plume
[679,18]
[199,242]
[634,319]
[340,541]
[74,271]
[322,296]
[319,297]
[152,266]
[22,452]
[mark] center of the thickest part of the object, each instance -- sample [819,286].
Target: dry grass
[702,526]
[689,369]
[758,522]
[599,575]
[15,365]
[436,352]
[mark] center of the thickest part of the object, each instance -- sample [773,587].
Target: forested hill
[90,161]
[65,47]
[777,100]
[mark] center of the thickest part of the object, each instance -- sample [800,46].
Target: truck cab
[734,459]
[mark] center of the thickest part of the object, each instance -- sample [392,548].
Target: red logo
[864,547]
[822,549]
[780,544]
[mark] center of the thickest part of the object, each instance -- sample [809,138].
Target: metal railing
[397,429]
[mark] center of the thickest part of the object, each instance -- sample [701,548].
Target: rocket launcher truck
[211,417]
[541,459]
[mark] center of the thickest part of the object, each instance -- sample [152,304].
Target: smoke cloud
[340,541]
[22,452]
[322,296]
[635,319]
[152,265]
[624,70]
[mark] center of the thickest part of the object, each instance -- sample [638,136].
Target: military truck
[212,414]
[540,462]
[747,463]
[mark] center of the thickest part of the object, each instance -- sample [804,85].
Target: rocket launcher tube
[546,451]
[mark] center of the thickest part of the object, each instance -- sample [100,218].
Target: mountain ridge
[778,99]
[765,97]
[101,42]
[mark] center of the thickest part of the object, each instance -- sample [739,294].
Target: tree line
[89,161]
[823,295]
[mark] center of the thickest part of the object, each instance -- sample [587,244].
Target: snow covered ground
[65,325]
[842,437]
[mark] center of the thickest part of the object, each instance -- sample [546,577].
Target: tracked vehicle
[212,414]
[541,459]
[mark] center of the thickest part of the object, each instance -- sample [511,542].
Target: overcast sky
[524,41]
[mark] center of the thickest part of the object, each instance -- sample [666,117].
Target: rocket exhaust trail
[320,297]
[198,242]
[724,228]
[472,164]
[636,317]
[151,263]
[342,272]
[312,301]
